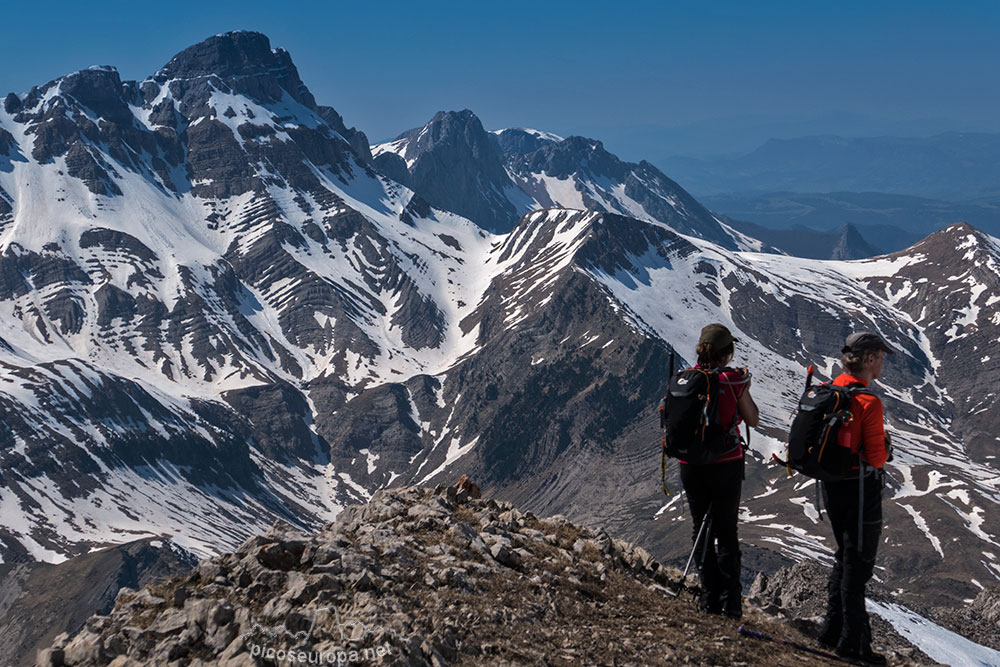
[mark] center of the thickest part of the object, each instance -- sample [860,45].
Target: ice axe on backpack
[663,424]
[786,464]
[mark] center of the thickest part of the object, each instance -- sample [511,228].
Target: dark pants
[716,486]
[846,618]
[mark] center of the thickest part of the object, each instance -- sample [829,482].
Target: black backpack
[689,415]
[813,446]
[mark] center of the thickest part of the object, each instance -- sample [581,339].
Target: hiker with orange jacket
[713,489]
[846,626]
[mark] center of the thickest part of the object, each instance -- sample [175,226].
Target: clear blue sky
[630,73]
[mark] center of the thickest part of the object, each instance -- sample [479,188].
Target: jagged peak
[238,54]
[850,244]
[464,115]
[99,88]
[234,53]
[84,83]
[445,124]
[521,140]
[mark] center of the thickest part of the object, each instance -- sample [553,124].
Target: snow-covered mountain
[494,178]
[219,308]
[196,266]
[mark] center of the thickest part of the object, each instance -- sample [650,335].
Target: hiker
[713,488]
[846,626]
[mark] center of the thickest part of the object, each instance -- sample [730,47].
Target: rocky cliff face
[421,577]
[451,162]
[493,179]
[40,600]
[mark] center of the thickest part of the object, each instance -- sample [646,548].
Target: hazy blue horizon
[647,79]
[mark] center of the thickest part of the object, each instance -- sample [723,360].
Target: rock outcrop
[798,593]
[422,577]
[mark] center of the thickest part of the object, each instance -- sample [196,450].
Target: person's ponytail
[707,356]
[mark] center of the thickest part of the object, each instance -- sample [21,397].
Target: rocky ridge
[428,577]
[495,178]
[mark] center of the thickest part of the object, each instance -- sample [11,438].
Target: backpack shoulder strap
[855,389]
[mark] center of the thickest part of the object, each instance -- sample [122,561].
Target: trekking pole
[707,519]
[809,376]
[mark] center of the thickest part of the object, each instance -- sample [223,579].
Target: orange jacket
[868,426]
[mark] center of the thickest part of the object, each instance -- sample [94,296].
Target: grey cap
[862,341]
[718,335]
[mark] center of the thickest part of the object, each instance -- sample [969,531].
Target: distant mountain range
[39,600]
[953,166]
[890,222]
[844,243]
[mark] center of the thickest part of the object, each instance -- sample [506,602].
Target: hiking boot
[865,655]
[733,608]
[829,635]
[709,604]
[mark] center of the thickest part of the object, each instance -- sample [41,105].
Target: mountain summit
[495,178]
[451,162]
[245,62]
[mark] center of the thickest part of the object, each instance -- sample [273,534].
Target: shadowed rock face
[429,577]
[39,600]
[515,141]
[246,62]
[494,178]
[457,168]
